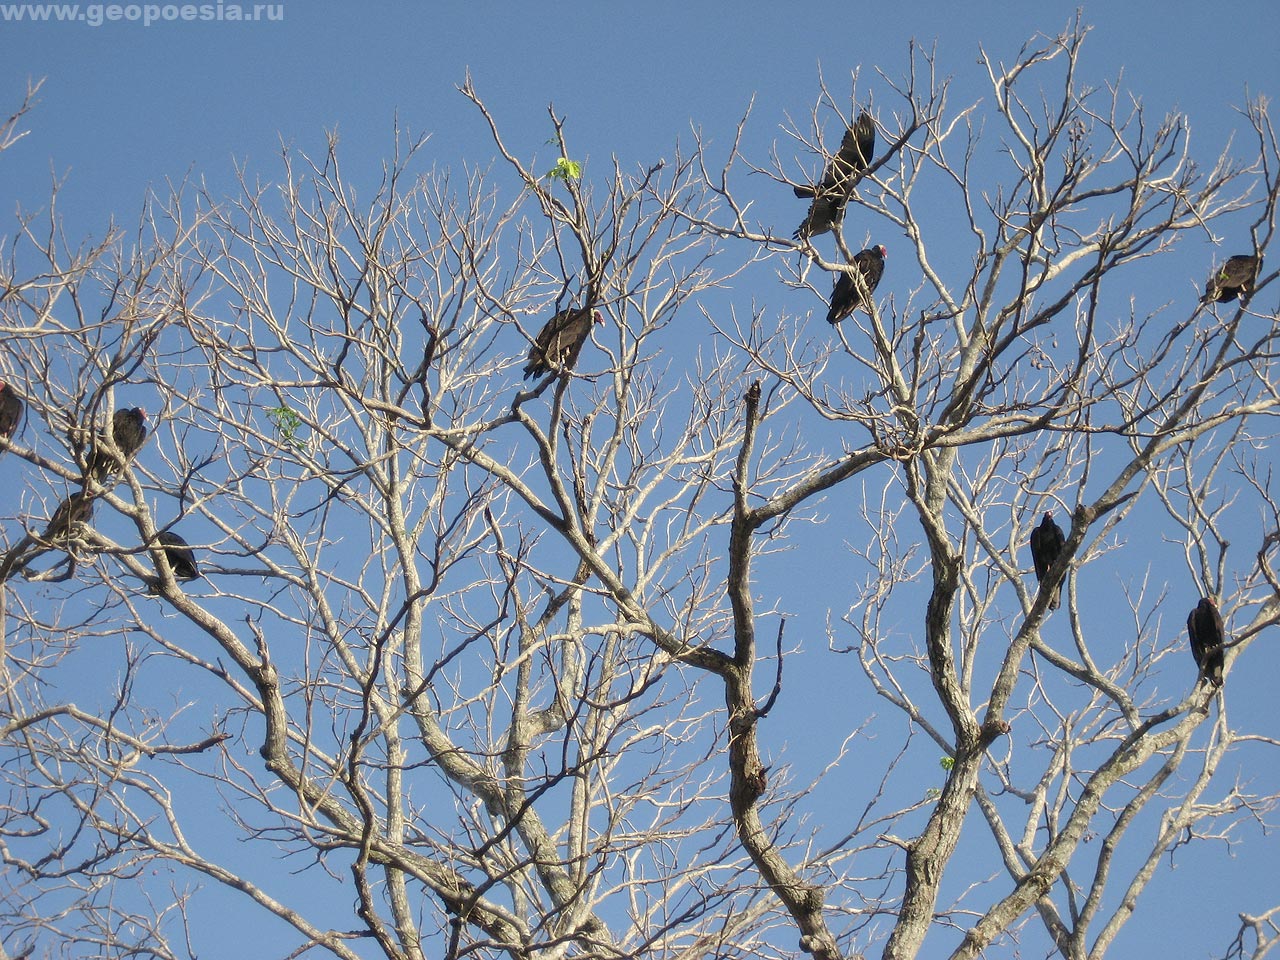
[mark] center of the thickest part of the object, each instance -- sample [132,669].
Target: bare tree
[472,666]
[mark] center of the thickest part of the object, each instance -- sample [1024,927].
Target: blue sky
[126,108]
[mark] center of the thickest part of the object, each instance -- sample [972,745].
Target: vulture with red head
[1047,543]
[847,297]
[1233,279]
[1204,627]
[558,345]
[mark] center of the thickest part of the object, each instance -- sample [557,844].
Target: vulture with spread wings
[838,180]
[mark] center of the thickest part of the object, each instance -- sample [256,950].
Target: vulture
[61,528]
[1047,542]
[77,508]
[128,432]
[180,556]
[846,297]
[1233,279]
[10,411]
[1204,627]
[558,345]
[839,179]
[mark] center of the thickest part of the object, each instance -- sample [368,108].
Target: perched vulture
[846,297]
[180,556]
[77,508]
[560,341]
[1204,626]
[1233,279]
[128,432]
[10,411]
[60,529]
[839,179]
[1047,542]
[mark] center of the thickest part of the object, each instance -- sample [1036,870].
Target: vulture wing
[864,132]
[846,297]
[825,213]
[841,175]
[182,560]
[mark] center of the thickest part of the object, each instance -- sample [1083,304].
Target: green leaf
[287,423]
[947,763]
[565,169]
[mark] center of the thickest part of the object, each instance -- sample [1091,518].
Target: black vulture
[1233,279]
[839,178]
[1204,627]
[10,411]
[1047,542]
[558,345]
[180,556]
[128,432]
[846,297]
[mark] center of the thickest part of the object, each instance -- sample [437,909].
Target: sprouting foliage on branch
[565,169]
